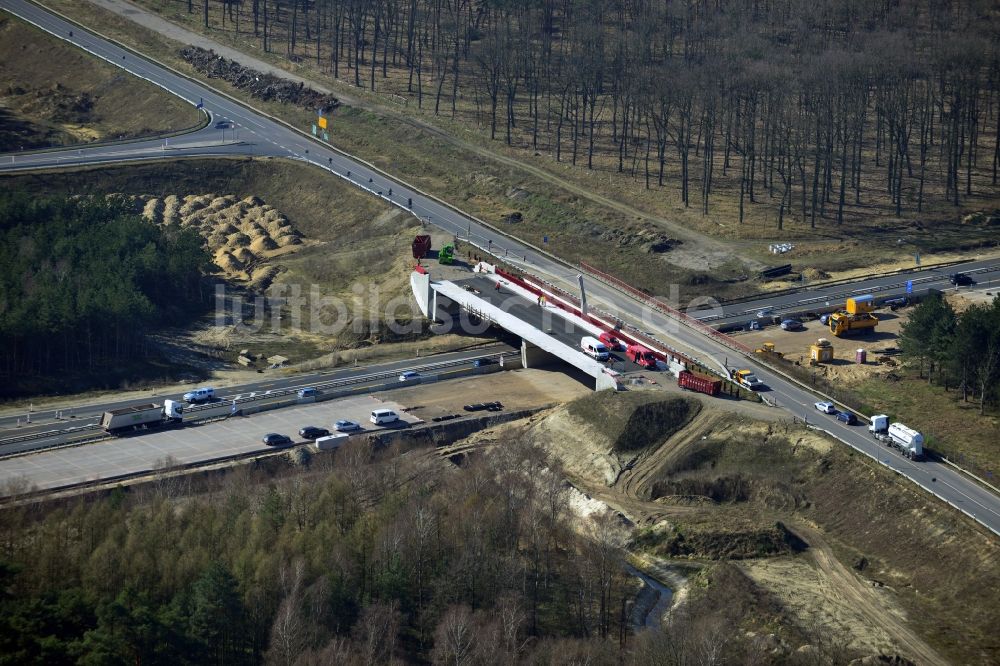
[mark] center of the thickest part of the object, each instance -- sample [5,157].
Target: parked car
[312,432]
[753,325]
[826,407]
[276,439]
[847,417]
[308,392]
[409,375]
[961,279]
[791,325]
[344,425]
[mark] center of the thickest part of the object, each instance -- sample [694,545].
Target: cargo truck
[641,356]
[117,421]
[693,382]
[857,316]
[907,440]
[746,379]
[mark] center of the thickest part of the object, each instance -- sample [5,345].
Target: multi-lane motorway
[46,431]
[822,297]
[261,135]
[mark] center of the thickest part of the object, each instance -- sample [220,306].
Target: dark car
[275,439]
[847,417]
[961,280]
[308,392]
[312,432]
[482,362]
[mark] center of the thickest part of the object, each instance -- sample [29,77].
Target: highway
[51,432]
[917,282]
[264,136]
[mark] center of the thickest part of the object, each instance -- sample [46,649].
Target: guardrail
[211,410]
[665,309]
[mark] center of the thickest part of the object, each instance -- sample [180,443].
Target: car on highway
[308,392]
[343,425]
[766,312]
[223,124]
[276,439]
[312,432]
[409,376]
[826,407]
[961,279]
[847,417]
[483,362]
[203,394]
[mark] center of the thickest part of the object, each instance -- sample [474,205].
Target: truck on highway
[641,356]
[688,380]
[746,378]
[906,439]
[117,421]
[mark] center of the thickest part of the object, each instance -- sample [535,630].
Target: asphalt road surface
[65,430]
[147,452]
[262,136]
[985,273]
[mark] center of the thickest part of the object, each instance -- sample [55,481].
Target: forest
[811,112]
[373,558]
[83,281]
[957,350]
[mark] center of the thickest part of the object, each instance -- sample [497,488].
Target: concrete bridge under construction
[549,324]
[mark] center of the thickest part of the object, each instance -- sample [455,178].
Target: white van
[594,347]
[380,416]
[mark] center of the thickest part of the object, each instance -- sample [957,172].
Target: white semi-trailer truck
[117,421]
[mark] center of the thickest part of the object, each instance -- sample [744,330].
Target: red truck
[706,385]
[641,356]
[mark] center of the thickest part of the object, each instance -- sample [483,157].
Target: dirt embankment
[54,94]
[856,559]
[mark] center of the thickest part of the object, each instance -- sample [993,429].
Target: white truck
[117,421]
[906,439]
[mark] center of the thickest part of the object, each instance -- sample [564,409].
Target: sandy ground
[810,595]
[795,345]
[516,389]
[243,235]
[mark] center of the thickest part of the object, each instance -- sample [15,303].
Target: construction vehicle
[688,380]
[907,440]
[136,417]
[746,379]
[446,255]
[857,317]
[768,350]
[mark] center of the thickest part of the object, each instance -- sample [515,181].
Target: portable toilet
[861,356]
[821,352]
